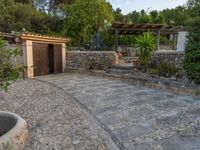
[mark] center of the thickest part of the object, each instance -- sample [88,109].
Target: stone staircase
[121,69]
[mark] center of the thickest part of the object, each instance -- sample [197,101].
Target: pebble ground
[55,120]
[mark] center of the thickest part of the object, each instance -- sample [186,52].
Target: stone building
[41,54]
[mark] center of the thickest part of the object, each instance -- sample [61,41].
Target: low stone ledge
[166,85]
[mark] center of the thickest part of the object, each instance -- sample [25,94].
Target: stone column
[64,56]
[29,58]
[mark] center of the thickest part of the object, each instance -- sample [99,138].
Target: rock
[173,78]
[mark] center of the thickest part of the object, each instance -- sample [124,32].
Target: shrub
[145,44]
[164,69]
[153,71]
[192,53]
[8,71]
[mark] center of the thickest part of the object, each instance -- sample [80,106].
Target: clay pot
[13,131]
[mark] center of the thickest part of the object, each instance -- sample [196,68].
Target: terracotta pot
[13,131]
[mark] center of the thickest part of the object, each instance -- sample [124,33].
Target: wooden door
[57,58]
[40,59]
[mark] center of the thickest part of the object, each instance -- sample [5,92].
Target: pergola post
[174,41]
[116,39]
[158,40]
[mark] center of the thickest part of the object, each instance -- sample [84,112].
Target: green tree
[192,53]
[84,18]
[193,7]
[46,24]
[134,16]
[157,17]
[176,16]
[51,6]
[154,14]
[118,16]
[14,16]
[145,19]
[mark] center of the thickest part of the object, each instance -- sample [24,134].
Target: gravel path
[55,120]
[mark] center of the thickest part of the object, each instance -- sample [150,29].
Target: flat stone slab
[135,117]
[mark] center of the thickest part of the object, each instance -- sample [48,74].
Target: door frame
[27,47]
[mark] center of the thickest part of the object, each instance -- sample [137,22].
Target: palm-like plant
[145,44]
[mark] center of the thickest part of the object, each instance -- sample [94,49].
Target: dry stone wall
[98,60]
[171,57]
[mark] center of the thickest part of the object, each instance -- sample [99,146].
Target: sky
[148,5]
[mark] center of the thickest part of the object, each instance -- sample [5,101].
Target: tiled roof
[35,37]
[40,37]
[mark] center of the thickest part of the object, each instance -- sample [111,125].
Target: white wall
[181,41]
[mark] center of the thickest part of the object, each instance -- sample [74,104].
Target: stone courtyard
[80,111]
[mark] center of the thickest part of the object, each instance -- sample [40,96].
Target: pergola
[134,29]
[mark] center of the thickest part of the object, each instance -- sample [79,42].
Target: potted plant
[145,44]
[13,129]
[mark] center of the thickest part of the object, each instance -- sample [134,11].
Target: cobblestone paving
[55,120]
[135,118]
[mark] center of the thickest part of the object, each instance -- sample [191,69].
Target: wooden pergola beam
[156,29]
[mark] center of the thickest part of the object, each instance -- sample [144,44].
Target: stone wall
[98,60]
[172,57]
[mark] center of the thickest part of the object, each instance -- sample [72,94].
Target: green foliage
[8,71]
[46,24]
[153,71]
[194,7]
[192,53]
[20,15]
[24,1]
[14,16]
[164,69]
[165,40]
[175,16]
[145,44]
[119,17]
[145,19]
[163,17]
[127,39]
[84,18]
[107,37]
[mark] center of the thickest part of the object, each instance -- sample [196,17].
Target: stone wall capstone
[172,57]
[98,60]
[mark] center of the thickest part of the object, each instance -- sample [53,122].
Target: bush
[164,69]
[192,53]
[153,71]
[8,71]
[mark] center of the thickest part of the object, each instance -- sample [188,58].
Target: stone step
[119,71]
[123,67]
